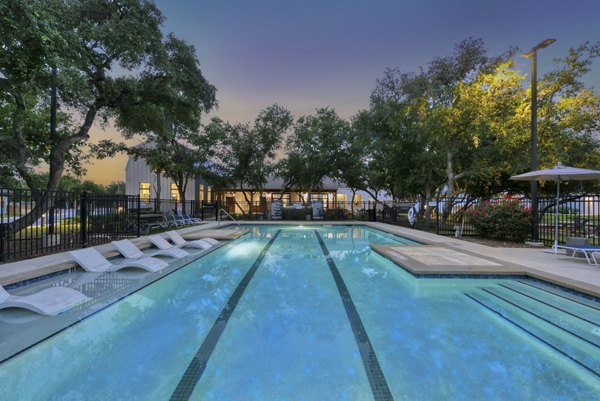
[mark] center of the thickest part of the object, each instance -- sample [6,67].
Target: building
[140,180]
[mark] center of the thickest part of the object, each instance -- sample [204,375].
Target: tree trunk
[44,199]
[450,173]
[428,210]
[182,188]
[249,200]
[158,190]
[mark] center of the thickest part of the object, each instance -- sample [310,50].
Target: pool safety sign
[318,212]
[276,210]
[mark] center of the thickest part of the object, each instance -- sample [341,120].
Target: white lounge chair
[178,240]
[130,251]
[92,261]
[49,301]
[211,241]
[162,243]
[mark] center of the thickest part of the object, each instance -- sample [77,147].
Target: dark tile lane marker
[379,385]
[195,369]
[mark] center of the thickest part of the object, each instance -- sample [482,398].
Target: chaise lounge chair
[203,243]
[162,243]
[191,219]
[49,301]
[587,250]
[130,251]
[92,261]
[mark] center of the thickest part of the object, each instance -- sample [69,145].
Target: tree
[116,188]
[449,123]
[84,40]
[399,124]
[165,110]
[249,152]
[313,151]
[568,112]
[470,113]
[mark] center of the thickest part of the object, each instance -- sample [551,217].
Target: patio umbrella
[558,173]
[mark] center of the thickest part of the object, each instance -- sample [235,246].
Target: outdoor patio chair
[585,250]
[178,240]
[92,261]
[130,251]
[186,220]
[50,301]
[191,219]
[173,221]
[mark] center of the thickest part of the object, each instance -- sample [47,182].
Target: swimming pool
[309,313]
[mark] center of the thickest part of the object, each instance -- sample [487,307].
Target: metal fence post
[83,217]
[437,216]
[139,205]
[2,244]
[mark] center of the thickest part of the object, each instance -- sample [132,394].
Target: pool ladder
[230,216]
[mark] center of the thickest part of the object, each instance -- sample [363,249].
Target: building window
[145,191]
[174,193]
[201,193]
[209,194]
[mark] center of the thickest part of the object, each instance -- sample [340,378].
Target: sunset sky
[315,53]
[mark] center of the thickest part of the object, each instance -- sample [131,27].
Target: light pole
[532,54]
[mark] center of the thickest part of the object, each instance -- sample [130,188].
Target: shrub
[505,220]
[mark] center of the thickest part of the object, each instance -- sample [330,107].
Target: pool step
[566,319]
[566,339]
[593,304]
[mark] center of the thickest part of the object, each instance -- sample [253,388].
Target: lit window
[209,194]
[174,192]
[145,191]
[201,193]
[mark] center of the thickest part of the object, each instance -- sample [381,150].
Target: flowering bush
[505,220]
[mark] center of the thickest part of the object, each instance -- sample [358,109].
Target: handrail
[231,217]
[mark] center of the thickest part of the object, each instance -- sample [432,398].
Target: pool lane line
[379,386]
[197,365]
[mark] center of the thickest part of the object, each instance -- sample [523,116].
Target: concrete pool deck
[440,256]
[476,259]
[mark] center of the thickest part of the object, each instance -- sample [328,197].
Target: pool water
[310,313]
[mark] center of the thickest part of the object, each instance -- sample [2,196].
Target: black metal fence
[35,223]
[577,216]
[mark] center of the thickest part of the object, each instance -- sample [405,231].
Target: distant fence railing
[201,209]
[35,223]
[578,216]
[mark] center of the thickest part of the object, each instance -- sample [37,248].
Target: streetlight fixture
[532,54]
